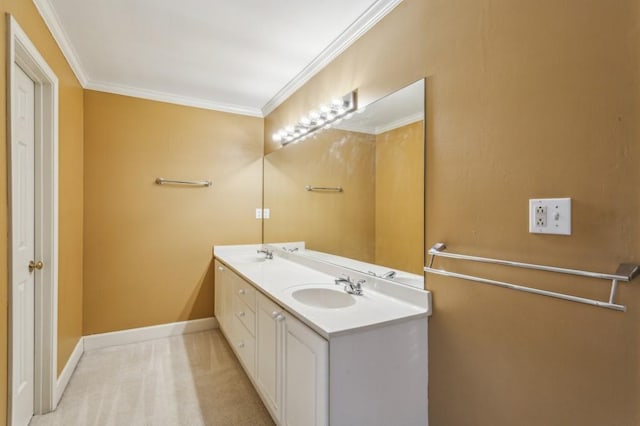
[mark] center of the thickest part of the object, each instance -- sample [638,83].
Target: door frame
[21,51]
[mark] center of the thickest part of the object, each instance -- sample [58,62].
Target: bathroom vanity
[316,354]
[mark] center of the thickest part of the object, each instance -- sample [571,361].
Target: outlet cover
[550,216]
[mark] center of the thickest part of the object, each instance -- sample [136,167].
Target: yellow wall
[339,223]
[147,247]
[399,198]
[70,189]
[524,99]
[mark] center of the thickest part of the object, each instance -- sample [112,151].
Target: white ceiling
[242,56]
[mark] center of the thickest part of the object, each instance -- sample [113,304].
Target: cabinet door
[306,375]
[223,308]
[269,354]
[220,285]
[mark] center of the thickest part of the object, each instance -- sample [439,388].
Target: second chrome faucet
[268,253]
[349,286]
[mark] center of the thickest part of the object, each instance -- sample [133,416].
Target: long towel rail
[323,188]
[163,181]
[625,273]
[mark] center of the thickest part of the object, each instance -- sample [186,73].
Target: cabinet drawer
[244,344]
[245,292]
[242,312]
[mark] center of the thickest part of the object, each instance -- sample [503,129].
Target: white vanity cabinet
[373,375]
[292,368]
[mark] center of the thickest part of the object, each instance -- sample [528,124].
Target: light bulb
[320,122]
[337,102]
[305,121]
[289,129]
[314,115]
[276,137]
[324,108]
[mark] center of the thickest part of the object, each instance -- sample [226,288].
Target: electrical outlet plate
[550,216]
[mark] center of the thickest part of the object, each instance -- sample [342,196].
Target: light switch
[266,213]
[550,216]
[258,213]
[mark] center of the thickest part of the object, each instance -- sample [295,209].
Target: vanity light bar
[318,119]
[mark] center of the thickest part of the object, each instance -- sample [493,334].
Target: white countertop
[381,303]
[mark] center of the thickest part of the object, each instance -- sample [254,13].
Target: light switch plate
[258,213]
[266,213]
[550,216]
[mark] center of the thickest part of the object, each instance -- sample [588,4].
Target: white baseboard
[67,371]
[134,335]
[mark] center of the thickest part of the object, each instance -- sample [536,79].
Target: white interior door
[23,278]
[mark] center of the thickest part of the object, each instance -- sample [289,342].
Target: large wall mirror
[377,158]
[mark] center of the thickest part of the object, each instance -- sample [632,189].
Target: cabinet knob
[279,317]
[35,265]
[275,314]
[241,291]
[220,268]
[241,345]
[241,314]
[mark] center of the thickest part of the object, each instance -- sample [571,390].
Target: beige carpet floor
[187,380]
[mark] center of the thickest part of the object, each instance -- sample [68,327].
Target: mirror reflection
[356,190]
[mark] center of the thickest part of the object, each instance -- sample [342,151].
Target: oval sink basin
[324,298]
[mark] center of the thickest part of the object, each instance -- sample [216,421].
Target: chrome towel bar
[163,181]
[323,188]
[625,273]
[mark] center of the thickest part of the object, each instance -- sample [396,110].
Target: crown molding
[52,22]
[400,123]
[376,130]
[153,95]
[368,19]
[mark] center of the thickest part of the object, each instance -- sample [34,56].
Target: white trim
[171,98]
[135,335]
[368,19]
[21,51]
[376,130]
[400,122]
[52,21]
[69,368]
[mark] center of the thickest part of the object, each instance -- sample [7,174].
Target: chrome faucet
[349,286]
[387,276]
[268,253]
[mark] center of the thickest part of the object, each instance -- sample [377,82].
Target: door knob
[35,265]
